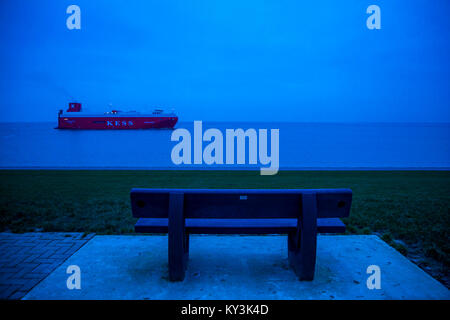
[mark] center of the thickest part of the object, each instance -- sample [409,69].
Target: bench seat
[236,226]
[298,213]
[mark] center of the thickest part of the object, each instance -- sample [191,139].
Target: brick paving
[26,259]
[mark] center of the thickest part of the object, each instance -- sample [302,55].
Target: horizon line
[266,121]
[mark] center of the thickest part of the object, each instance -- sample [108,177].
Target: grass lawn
[408,209]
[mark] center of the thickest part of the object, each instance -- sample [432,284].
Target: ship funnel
[74,107]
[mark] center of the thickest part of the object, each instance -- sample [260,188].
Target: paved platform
[27,258]
[237,267]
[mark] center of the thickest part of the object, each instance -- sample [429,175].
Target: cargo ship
[74,118]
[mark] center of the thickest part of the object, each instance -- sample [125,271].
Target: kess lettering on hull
[119,123]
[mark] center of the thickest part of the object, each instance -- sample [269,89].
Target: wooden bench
[300,214]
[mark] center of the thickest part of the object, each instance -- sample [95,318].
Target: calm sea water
[302,146]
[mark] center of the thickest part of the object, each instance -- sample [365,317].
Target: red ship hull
[73,118]
[116,122]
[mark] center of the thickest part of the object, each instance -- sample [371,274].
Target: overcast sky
[312,61]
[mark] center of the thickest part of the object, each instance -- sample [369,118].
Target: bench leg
[178,238]
[302,244]
[186,249]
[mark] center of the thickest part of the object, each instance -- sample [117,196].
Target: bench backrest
[240,203]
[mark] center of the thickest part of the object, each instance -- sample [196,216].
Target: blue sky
[312,61]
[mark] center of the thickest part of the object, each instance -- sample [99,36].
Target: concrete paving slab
[237,267]
[27,258]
